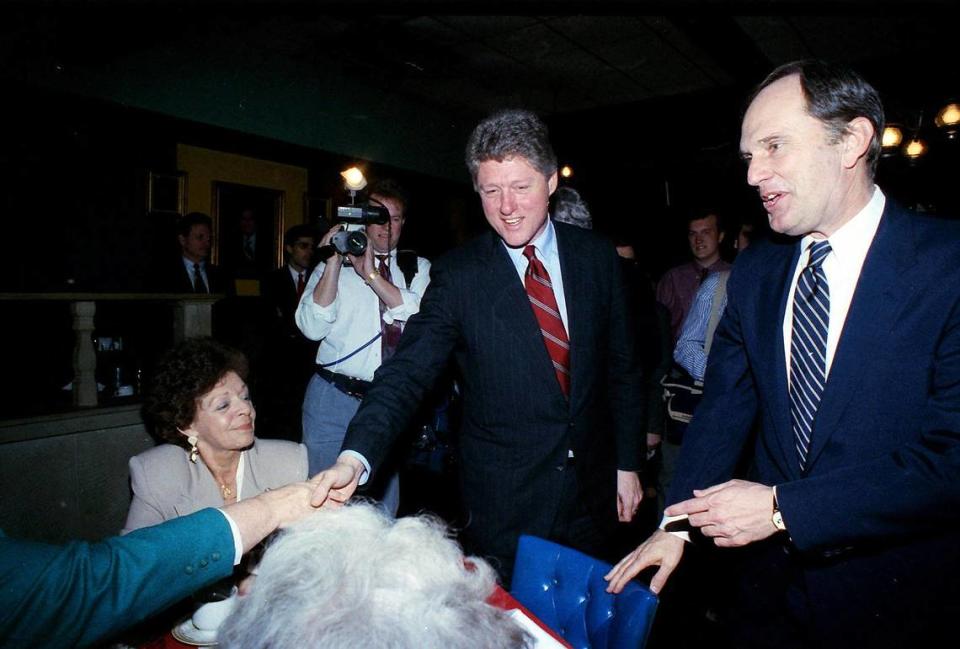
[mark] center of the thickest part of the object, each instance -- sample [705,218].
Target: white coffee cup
[209,616]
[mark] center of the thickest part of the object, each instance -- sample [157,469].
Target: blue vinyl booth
[565,589]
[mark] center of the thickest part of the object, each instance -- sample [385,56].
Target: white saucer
[186,633]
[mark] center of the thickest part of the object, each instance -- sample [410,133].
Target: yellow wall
[206,166]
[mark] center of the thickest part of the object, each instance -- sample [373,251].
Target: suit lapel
[511,308]
[577,294]
[882,291]
[770,338]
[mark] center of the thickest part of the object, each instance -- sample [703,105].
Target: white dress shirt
[188,264]
[848,249]
[353,318]
[295,275]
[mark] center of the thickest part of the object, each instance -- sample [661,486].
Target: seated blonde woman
[199,404]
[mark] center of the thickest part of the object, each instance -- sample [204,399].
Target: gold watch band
[777,517]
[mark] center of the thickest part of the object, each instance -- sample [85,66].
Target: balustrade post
[84,355]
[193,317]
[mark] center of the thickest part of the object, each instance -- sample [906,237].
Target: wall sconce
[566,171]
[891,139]
[915,148]
[949,119]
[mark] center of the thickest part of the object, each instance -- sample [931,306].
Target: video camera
[352,239]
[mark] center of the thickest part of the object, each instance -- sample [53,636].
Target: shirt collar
[295,273]
[545,244]
[853,238]
[189,263]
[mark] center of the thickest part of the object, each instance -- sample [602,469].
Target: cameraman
[357,315]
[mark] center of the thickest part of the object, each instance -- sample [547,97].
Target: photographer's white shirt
[353,318]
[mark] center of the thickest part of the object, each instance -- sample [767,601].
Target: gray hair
[508,134]
[569,207]
[355,577]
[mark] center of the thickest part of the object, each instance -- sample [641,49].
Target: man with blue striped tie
[844,345]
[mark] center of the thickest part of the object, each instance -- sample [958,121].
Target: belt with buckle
[347,384]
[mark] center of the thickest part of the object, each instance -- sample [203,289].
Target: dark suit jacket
[517,425]
[291,356]
[174,278]
[80,593]
[873,521]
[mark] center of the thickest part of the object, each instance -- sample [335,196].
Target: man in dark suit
[846,346]
[550,440]
[81,593]
[289,355]
[192,272]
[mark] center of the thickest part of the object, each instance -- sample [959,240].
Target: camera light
[353,179]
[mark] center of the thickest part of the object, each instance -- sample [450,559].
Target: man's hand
[334,486]
[259,516]
[734,513]
[335,258]
[629,495]
[661,549]
[364,263]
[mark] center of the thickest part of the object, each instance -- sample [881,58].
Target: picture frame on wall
[166,192]
[240,211]
[317,209]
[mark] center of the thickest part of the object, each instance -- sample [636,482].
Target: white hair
[569,207]
[355,577]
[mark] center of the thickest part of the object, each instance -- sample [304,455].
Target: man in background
[289,356]
[192,272]
[679,284]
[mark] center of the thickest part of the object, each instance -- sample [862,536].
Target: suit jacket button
[189,570]
[559,467]
[215,556]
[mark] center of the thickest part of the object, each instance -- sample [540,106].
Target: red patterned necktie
[391,332]
[544,303]
[300,285]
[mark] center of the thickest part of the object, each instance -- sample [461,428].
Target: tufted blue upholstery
[565,589]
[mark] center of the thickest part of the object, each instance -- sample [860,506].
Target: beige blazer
[166,484]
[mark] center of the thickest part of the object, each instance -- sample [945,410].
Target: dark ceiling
[467,65]
[308,73]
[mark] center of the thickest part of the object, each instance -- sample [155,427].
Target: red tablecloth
[500,598]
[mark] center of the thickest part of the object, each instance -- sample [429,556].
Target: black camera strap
[353,353]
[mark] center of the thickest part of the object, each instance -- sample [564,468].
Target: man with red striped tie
[535,315]
[288,359]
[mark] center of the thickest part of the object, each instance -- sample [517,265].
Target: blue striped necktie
[808,347]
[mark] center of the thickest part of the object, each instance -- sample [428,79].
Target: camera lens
[346,242]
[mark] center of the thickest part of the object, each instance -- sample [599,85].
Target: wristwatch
[777,517]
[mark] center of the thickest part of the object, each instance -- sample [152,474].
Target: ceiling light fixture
[949,119]
[915,148]
[891,139]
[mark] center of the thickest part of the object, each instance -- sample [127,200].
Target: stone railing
[193,316]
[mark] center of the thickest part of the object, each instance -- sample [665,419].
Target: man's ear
[855,141]
[552,183]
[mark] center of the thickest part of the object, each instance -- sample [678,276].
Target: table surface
[500,598]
